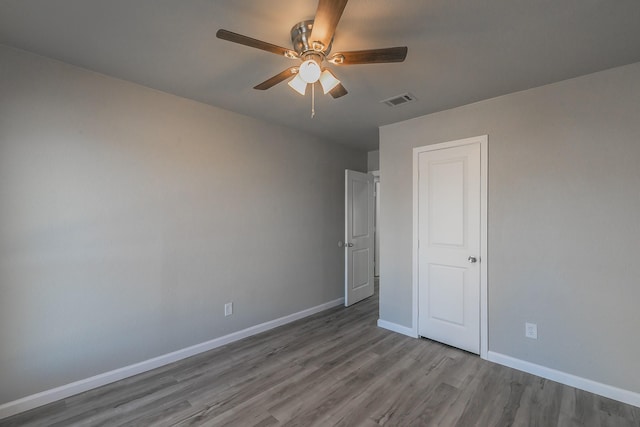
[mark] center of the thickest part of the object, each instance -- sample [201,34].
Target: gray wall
[128,217]
[373,160]
[564,221]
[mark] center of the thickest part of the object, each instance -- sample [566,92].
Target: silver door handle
[350,245]
[472,259]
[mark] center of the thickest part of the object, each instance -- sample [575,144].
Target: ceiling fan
[312,45]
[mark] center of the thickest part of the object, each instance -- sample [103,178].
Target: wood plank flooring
[336,368]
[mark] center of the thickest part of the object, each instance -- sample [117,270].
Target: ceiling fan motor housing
[301,44]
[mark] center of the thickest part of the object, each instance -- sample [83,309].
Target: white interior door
[449,227]
[359,239]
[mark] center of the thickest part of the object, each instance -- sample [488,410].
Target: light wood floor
[335,368]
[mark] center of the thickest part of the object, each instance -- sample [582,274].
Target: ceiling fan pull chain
[313,100]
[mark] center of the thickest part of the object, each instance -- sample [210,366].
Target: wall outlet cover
[228,309]
[531,330]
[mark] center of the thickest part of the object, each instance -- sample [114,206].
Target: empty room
[319,213]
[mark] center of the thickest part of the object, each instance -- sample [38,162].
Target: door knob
[472,259]
[349,245]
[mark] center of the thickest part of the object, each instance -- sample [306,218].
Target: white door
[359,241]
[449,197]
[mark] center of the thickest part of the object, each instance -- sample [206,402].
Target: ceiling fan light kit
[328,81]
[312,41]
[298,84]
[310,69]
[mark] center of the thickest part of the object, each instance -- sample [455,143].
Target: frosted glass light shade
[309,71]
[328,81]
[298,84]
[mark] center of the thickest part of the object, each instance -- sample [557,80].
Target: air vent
[399,100]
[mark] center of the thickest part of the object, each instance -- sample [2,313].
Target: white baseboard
[398,328]
[626,396]
[62,392]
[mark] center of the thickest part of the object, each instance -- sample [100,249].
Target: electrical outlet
[531,330]
[228,309]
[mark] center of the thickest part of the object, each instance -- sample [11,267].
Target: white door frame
[376,223]
[483,140]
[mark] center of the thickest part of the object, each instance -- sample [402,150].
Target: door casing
[483,141]
[376,223]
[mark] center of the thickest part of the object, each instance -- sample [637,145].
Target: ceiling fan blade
[338,91]
[280,77]
[324,25]
[371,56]
[258,44]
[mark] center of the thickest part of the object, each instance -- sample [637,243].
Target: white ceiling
[460,51]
